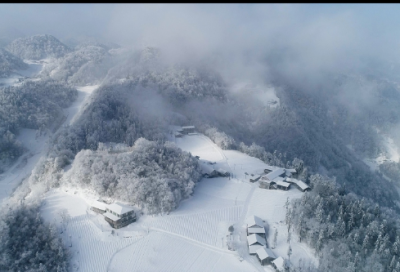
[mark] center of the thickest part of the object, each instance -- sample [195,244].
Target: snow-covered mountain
[38,47]
[10,63]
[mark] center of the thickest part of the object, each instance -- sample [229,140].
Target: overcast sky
[296,38]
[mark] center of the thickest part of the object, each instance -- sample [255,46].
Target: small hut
[265,255]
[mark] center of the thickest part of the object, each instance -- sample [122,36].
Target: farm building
[187,129]
[274,174]
[279,264]
[98,206]
[258,231]
[119,215]
[254,222]
[299,184]
[283,185]
[267,184]
[254,242]
[265,255]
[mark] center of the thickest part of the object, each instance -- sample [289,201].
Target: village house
[279,264]
[98,207]
[119,215]
[254,242]
[283,185]
[187,129]
[275,173]
[299,184]
[255,226]
[267,184]
[265,255]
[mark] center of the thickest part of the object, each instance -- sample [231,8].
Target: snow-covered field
[191,238]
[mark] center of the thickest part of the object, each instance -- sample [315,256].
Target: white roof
[276,173]
[192,133]
[256,230]
[279,263]
[99,205]
[254,221]
[283,184]
[188,127]
[278,179]
[302,185]
[119,208]
[255,238]
[264,253]
[293,171]
[111,216]
[253,249]
[289,179]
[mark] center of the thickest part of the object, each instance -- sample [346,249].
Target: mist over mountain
[314,89]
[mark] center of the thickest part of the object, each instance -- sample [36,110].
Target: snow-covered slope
[193,237]
[38,47]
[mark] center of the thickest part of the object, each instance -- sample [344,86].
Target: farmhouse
[254,222]
[98,206]
[299,184]
[266,184]
[187,129]
[265,255]
[119,215]
[283,185]
[254,242]
[274,174]
[255,226]
[279,264]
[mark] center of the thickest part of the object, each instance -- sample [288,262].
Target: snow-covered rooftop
[254,221]
[111,216]
[256,230]
[99,205]
[278,179]
[279,264]
[188,127]
[302,185]
[253,249]
[264,253]
[293,171]
[283,184]
[119,208]
[255,238]
[276,173]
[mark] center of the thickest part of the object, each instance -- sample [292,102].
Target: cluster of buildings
[257,243]
[279,178]
[116,214]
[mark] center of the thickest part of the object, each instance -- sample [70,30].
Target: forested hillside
[35,105]
[38,47]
